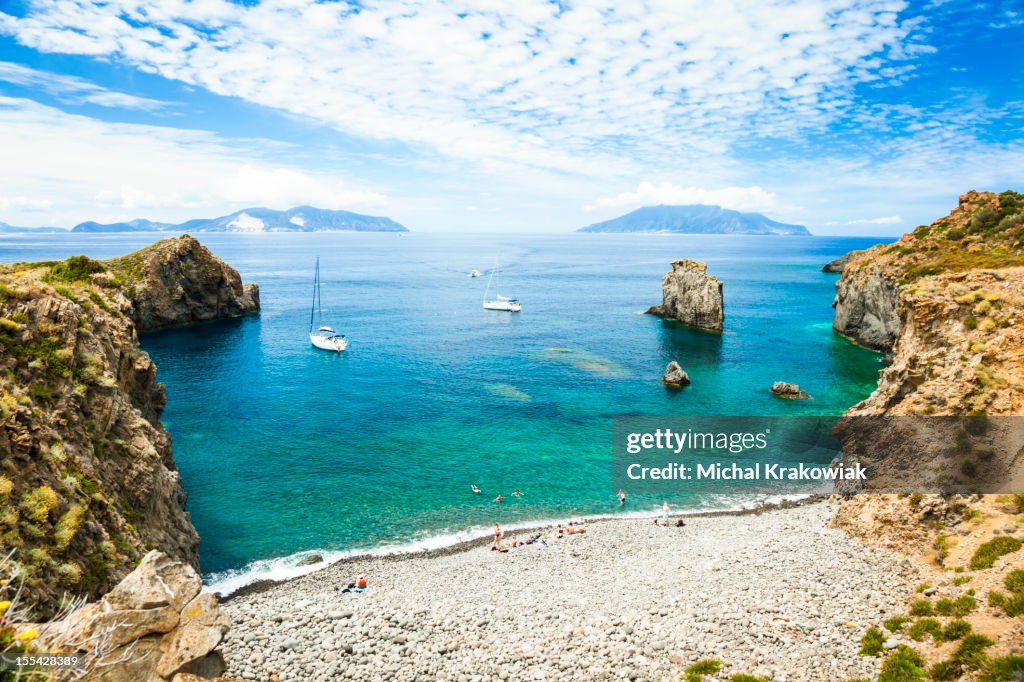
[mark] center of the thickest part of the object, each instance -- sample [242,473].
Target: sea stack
[691,296]
[675,376]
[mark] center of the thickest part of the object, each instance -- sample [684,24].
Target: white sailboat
[499,302]
[323,337]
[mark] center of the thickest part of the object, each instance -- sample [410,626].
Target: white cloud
[646,194]
[89,169]
[74,90]
[885,220]
[589,87]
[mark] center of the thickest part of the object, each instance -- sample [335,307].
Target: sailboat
[499,302]
[324,337]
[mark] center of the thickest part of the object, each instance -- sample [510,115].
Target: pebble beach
[776,594]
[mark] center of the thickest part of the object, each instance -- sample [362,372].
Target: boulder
[152,627]
[784,389]
[691,296]
[310,560]
[675,376]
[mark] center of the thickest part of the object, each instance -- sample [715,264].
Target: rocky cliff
[948,302]
[88,483]
[691,296]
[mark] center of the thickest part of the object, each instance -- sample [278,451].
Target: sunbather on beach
[358,584]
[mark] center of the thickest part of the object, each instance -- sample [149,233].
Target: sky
[852,117]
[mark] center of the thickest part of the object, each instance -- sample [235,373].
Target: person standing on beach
[497,536]
[664,513]
[622,497]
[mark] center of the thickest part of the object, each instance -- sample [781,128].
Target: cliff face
[691,296]
[87,480]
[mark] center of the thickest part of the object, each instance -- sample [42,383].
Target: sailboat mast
[316,291]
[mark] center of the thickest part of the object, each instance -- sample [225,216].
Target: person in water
[622,497]
[499,498]
[474,489]
[516,493]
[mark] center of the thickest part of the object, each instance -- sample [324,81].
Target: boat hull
[334,344]
[507,306]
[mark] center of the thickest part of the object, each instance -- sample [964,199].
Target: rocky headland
[691,296]
[88,483]
[946,301]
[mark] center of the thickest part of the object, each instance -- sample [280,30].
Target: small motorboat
[474,273]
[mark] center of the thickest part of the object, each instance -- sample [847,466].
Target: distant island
[5,228]
[694,219]
[298,219]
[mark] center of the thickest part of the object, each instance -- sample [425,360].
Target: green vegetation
[1012,605]
[924,627]
[961,580]
[871,643]
[1015,580]
[896,623]
[699,670]
[960,607]
[902,665]
[748,678]
[971,652]
[922,607]
[986,554]
[1004,669]
[39,502]
[41,393]
[957,629]
[944,671]
[74,269]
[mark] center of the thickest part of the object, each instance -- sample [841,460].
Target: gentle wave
[286,568]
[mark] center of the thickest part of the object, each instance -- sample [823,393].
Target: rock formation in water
[691,296]
[675,376]
[837,265]
[88,483]
[784,389]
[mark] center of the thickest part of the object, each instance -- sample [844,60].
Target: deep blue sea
[285,449]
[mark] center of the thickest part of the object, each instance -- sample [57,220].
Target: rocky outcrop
[839,264]
[784,389]
[155,625]
[865,303]
[675,376]
[179,281]
[88,483]
[691,296]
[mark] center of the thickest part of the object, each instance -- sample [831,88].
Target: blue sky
[848,116]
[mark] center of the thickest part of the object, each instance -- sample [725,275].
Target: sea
[286,451]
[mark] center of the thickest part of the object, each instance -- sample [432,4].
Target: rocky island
[691,296]
[88,483]
[695,219]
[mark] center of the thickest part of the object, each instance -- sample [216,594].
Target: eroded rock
[691,296]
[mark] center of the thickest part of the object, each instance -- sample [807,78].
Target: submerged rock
[675,376]
[691,296]
[784,389]
[310,560]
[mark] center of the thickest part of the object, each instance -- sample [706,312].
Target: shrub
[41,393]
[902,665]
[69,574]
[74,269]
[944,671]
[961,580]
[1014,580]
[1004,669]
[954,235]
[987,553]
[971,652]
[915,500]
[956,629]
[970,322]
[68,526]
[922,587]
[1014,605]
[697,671]
[896,623]
[968,468]
[748,678]
[922,607]
[871,643]
[924,627]
[39,503]
[961,607]
[6,486]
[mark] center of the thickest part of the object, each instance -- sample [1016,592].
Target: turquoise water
[285,449]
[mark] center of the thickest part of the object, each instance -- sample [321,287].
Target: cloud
[90,169]
[885,220]
[590,87]
[646,194]
[73,90]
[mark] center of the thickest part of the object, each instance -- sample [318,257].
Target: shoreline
[775,592]
[262,585]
